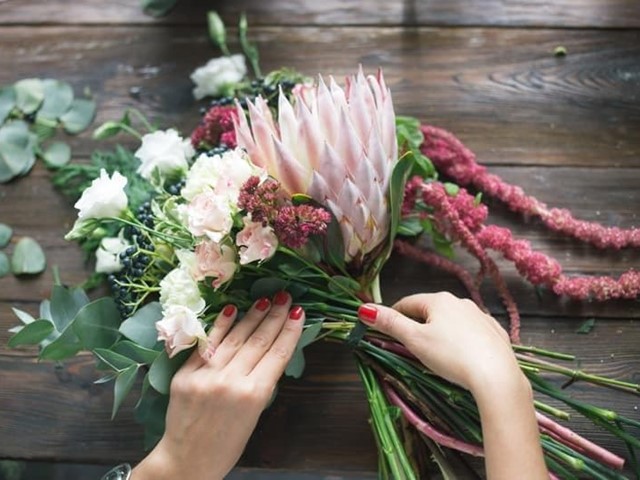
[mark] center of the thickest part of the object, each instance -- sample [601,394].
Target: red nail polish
[263,304]
[296,313]
[229,310]
[281,298]
[367,314]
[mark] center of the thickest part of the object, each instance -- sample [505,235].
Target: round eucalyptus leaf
[79,116]
[58,97]
[16,133]
[4,264]
[14,161]
[5,234]
[28,257]
[7,102]
[29,94]
[57,155]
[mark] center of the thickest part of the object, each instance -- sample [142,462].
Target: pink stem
[394,347]
[427,429]
[455,160]
[571,438]
[411,251]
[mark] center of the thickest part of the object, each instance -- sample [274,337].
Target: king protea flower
[337,146]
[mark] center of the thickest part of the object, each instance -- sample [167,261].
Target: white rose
[179,288]
[212,78]
[180,329]
[209,214]
[105,197]
[108,254]
[163,150]
[225,174]
[256,242]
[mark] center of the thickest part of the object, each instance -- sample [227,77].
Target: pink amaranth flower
[295,224]
[261,199]
[217,126]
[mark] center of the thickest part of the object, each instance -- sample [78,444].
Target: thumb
[387,320]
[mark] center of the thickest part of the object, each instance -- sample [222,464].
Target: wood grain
[501,91]
[531,13]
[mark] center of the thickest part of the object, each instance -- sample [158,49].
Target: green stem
[543,353]
[142,119]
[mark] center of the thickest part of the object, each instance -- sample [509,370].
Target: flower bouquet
[307,186]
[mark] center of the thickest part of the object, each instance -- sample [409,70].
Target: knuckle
[281,352]
[259,340]
[233,340]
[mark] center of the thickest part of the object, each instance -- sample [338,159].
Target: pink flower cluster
[456,161]
[216,127]
[293,224]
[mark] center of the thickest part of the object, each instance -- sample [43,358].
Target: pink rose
[181,329]
[257,242]
[214,260]
[209,214]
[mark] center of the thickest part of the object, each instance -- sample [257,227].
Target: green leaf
[66,345]
[57,155]
[217,32]
[7,102]
[23,316]
[114,360]
[477,200]
[15,132]
[96,324]
[5,267]
[79,116]
[45,310]
[14,161]
[587,326]
[410,227]
[249,50]
[32,334]
[339,284]
[29,94]
[5,234]
[136,352]
[151,411]
[122,387]
[141,327]
[65,305]
[309,334]
[107,130]
[163,369]
[296,365]
[333,251]
[396,193]
[451,188]
[267,287]
[157,8]
[58,97]
[28,257]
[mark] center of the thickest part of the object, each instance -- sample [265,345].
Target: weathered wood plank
[502,91]
[531,13]
[325,408]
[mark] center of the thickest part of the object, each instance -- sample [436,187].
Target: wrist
[156,465]
[506,381]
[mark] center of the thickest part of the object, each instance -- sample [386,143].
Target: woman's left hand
[215,404]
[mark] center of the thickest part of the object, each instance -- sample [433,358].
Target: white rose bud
[108,254]
[180,329]
[179,288]
[213,78]
[165,151]
[105,197]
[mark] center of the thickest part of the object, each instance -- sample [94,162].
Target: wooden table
[566,129]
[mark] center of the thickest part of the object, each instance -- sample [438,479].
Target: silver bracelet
[121,472]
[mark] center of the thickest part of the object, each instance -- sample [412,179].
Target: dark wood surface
[566,129]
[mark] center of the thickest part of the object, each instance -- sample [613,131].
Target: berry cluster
[175,188]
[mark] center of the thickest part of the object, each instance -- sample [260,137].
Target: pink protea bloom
[337,146]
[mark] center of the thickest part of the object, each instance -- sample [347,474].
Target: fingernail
[281,298]
[296,313]
[367,313]
[229,310]
[263,304]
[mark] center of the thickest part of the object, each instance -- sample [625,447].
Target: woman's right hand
[451,336]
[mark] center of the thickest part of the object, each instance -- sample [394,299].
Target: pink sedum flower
[337,146]
[215,260]
[180,329]
[256,241]
[209,214]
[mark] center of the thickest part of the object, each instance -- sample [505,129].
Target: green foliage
[297,363]
[96,324]
[6,232]
[163,369]
[158,8]
[31,333]
[410,138]
[5,266]
[587,326]
[28,257]
[250,50]
[31,111]
[141,327]
[217,32]
[122,386]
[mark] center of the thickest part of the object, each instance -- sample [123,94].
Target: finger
[272,365]
[388,321]
[262,337]
[221,325]
[238,335]
[422,305]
